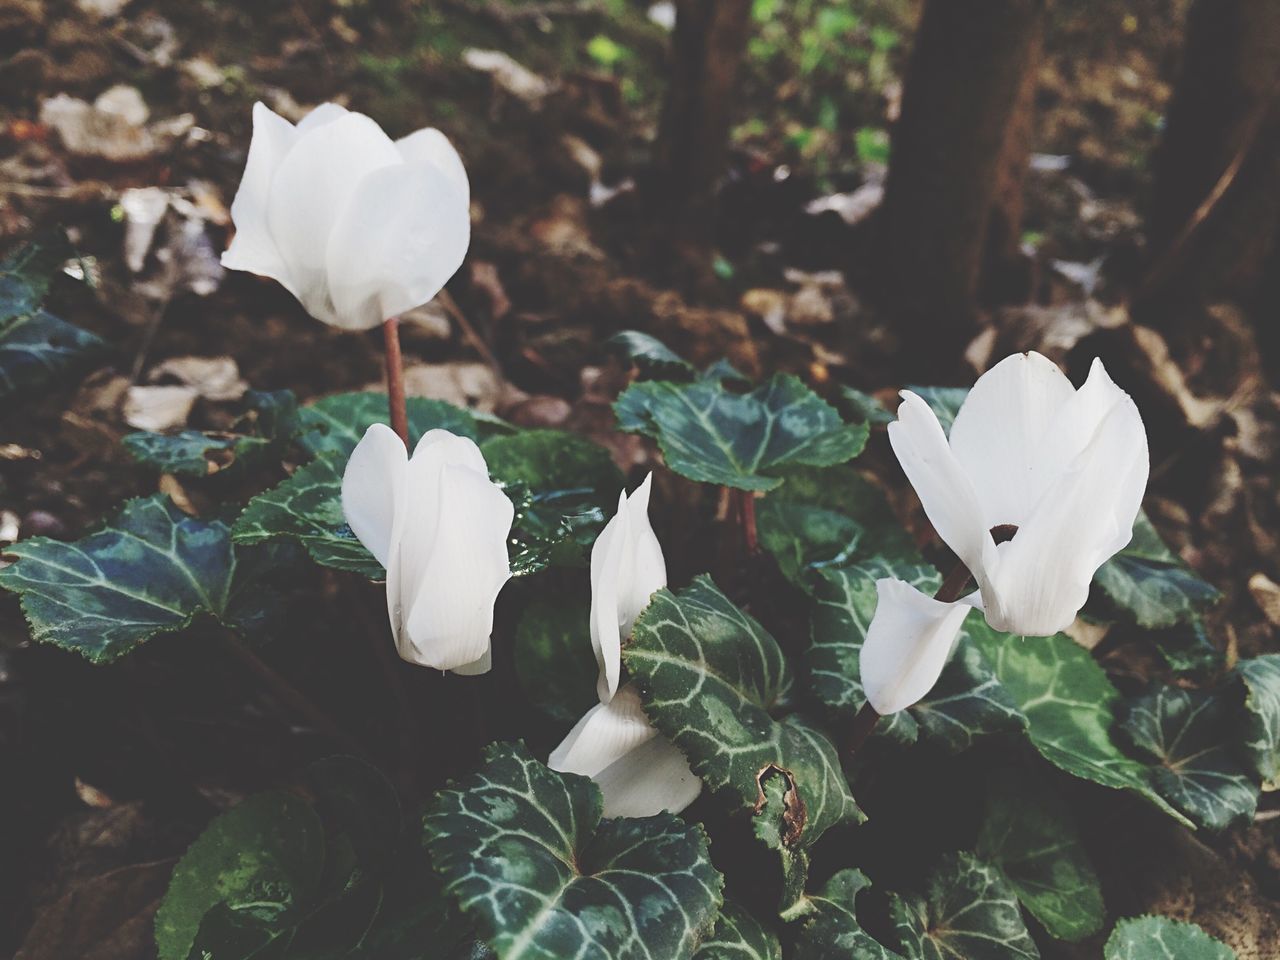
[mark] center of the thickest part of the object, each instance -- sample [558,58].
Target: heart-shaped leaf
[151,570]
[966,704]
[307,508]
[1030,834]
[262,859]
[1070,708]
[739,936]
[803,538]
[1261,734]
[831,930]
[968,911]
[36,346]
[1189,734]
[717,685]
[711,434]
[1150,584]
[524,852]
[1160,938]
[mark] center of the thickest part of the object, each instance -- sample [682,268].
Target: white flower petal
[449,616]
[608,556]
[639,772]
[908,644]
[253,248]
[402,234]
[1045,571]
[429,145]
[1001,429]
[477,667]
[373,487]
[309,192]
[648,573]
[652,778]
[605,733]
[318,117]
[940,481]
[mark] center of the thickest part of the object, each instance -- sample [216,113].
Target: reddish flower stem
[395,379]
[746,504]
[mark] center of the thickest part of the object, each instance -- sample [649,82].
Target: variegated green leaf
[151,570]
[1152,585]
[651,356]
[831,930]
[968,911]
[1261,676]
[717,685]
[523,851]
[1189,734]
[739,936]
[307,507]
[1030,834]
[711,434]
[1161,938]
[1070,708]
[804,538]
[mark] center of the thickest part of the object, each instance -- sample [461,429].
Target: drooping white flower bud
[355,225]
[439,525]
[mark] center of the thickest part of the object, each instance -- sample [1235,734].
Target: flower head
[1038,485]
[639,771]
[439,525]
[355,225]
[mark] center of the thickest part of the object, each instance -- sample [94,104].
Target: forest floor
[555,127]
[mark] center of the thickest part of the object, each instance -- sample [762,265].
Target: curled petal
[940,481]
[639,772]
[1085,517]
[429,145]
[373,488]
[310,191]
[449,610]
[627,567]
[908,644]
[1001,432]
[253,248]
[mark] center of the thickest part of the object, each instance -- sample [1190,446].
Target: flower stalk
[397,408]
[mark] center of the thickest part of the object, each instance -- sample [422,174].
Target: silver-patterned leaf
[1261,676]
[967,911]
[1190,736]
[524,852]
[831,930]
[1161,938]
[739,936]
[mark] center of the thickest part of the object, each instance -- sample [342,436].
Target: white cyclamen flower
[355,225]
[639,771]
[439,525]
[1056,474]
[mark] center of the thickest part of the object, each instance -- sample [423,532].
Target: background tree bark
[970,66]
[1215,204]
[708,44]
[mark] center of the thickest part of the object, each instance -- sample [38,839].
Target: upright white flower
[639,771]
[1055,474]
[355,225]
[439,525]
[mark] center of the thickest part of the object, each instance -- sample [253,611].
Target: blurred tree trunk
[1215,205]
[956,155]
[708,44]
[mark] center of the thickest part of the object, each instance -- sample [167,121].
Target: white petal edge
[648,567]
[403,232]
[942,485]
[253,248]
[309,193]
[639,772]
[429,145]
[908,644]
[1002,429]
[608,555]
[373,489]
